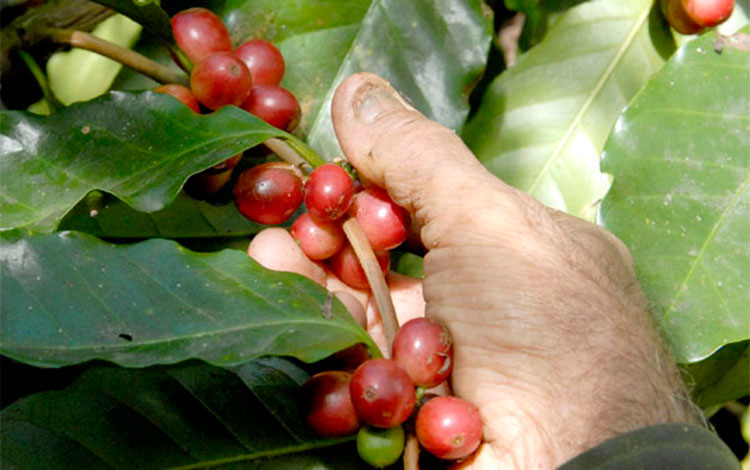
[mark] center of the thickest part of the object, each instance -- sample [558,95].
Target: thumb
[424,166]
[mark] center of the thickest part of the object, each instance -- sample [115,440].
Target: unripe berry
[220,79]
[199,32]
[327,406]
[382,393]
[263,59]
[449,427]
[380,447]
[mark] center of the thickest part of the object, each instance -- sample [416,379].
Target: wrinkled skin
[552,338]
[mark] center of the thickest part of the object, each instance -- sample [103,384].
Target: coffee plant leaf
[104,215]
[680,198]
[186,416]
[542,124]
[141,147]
[147,13]
[69,297]
[433,52]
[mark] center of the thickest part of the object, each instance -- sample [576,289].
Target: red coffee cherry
[424,349]
[264,60]
[268,193]
[329,191]
[346,266]
[275,105]
[182,93]
[385,224]
[326,404]
[382,393]
[220,79]
[675,14]
[449,427]
[319,240]
[199,32]
[708,13]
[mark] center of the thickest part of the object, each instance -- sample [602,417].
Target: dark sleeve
[665,446]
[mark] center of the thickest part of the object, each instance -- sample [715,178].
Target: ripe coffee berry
[346,266]
[326,404]
[263,59]
[708,13]
[382,393]
[328,192]
[220,79]
[675,14]
[424,349]
[268,193]
[275,105]
[319,240]
[449,427]
[384,223]
[199,32]
[182,93]
[380,447]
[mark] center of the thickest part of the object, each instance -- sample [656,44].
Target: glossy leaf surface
[431,51]
[542,125]
[69,298]
[139,147]
[190,415]
[680,199]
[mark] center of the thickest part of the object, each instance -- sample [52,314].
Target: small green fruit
[380,447]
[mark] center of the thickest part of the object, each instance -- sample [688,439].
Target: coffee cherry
[449,427]
[382,393]
[708,13]
[275,105]
[220,79]
[268,193]
[182,93]
[329,191]
[319,240]
[199,32]
[227,164]
[346,266]
[380,447]
[326,404]
[677,17]
[264,60]
[384,223]
[424,349]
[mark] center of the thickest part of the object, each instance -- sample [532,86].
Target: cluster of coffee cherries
[247,76]
[270,193]
[383,395]
[695,16]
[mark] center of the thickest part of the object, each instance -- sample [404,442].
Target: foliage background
[593,118]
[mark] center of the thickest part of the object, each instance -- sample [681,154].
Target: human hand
[552,338]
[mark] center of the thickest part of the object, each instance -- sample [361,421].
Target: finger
[355,307]
[424,166]
[275,249]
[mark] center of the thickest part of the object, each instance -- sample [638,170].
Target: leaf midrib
[699,258]
[616,59]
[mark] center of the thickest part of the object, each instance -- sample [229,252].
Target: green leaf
[722,377]
[188,416]
[139,147]
[431,51]
[542,124]
[104,215]
[75,298]
[148,13]
[680,202]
